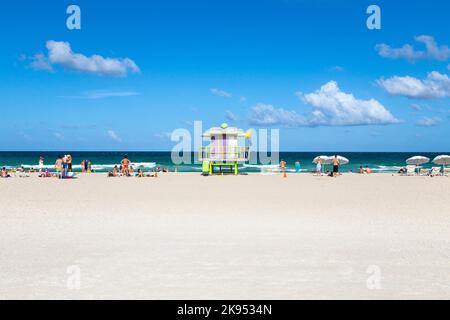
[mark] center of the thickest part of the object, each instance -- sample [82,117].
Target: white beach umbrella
[442,160]
[417,160]
[323,159]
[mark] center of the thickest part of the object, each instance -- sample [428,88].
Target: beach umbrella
[417,160]
[323,159]
[442,160]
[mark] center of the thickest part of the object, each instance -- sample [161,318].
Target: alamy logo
[73,22]
[374,20]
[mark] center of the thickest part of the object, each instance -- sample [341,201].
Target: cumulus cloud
[40,62]
[231,116]
[436,85]
[330,107]
[428,122]
[432,50]
[221,93]
[113,135]
[337,108]
[60,53]
[267,115]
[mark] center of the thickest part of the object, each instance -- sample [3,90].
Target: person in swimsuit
[283,165]
[58,164]
[5,173]
[41,165]
[297,166]
[69,163]
[319,167]
[335,166]
[64,166]
[125,165]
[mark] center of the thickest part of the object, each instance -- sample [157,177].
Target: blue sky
[310,68]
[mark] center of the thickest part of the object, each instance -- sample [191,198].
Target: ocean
[104,161]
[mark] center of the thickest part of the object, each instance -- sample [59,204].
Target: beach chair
[447,172]
[435,171]
[410,170]
[424,172]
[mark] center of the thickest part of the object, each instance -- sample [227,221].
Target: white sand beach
[183,236]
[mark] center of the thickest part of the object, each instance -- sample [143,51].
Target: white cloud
[336,69]
[164,135]
[336,108]
[221,93]
[432,51]
[231,116]
[100,94]
[58,135]
[428,122]
[330,107]
[40,62]
[436,85]
[267,115]
[60,53]
[113,135]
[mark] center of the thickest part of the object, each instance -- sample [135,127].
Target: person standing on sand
[69,163]
[125,164]
[283,165]
[41,165]
[335,166]
[58,165]
[297,166]
[319,167]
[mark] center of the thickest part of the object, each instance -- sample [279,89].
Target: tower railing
[224,154]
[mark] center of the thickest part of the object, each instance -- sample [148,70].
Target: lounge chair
[424,172]
[435,171]
[410,170]
[447,172]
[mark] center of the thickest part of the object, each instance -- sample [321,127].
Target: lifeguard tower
[227,149]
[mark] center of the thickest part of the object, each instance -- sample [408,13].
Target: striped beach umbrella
[417,160]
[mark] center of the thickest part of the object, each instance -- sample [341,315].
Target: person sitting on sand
[4,173]
[131,171]
[368,170]
[361,170]
[140,173]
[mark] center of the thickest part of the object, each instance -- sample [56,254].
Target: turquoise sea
[104,161]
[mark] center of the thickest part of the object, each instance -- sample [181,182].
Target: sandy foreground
[183,236]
